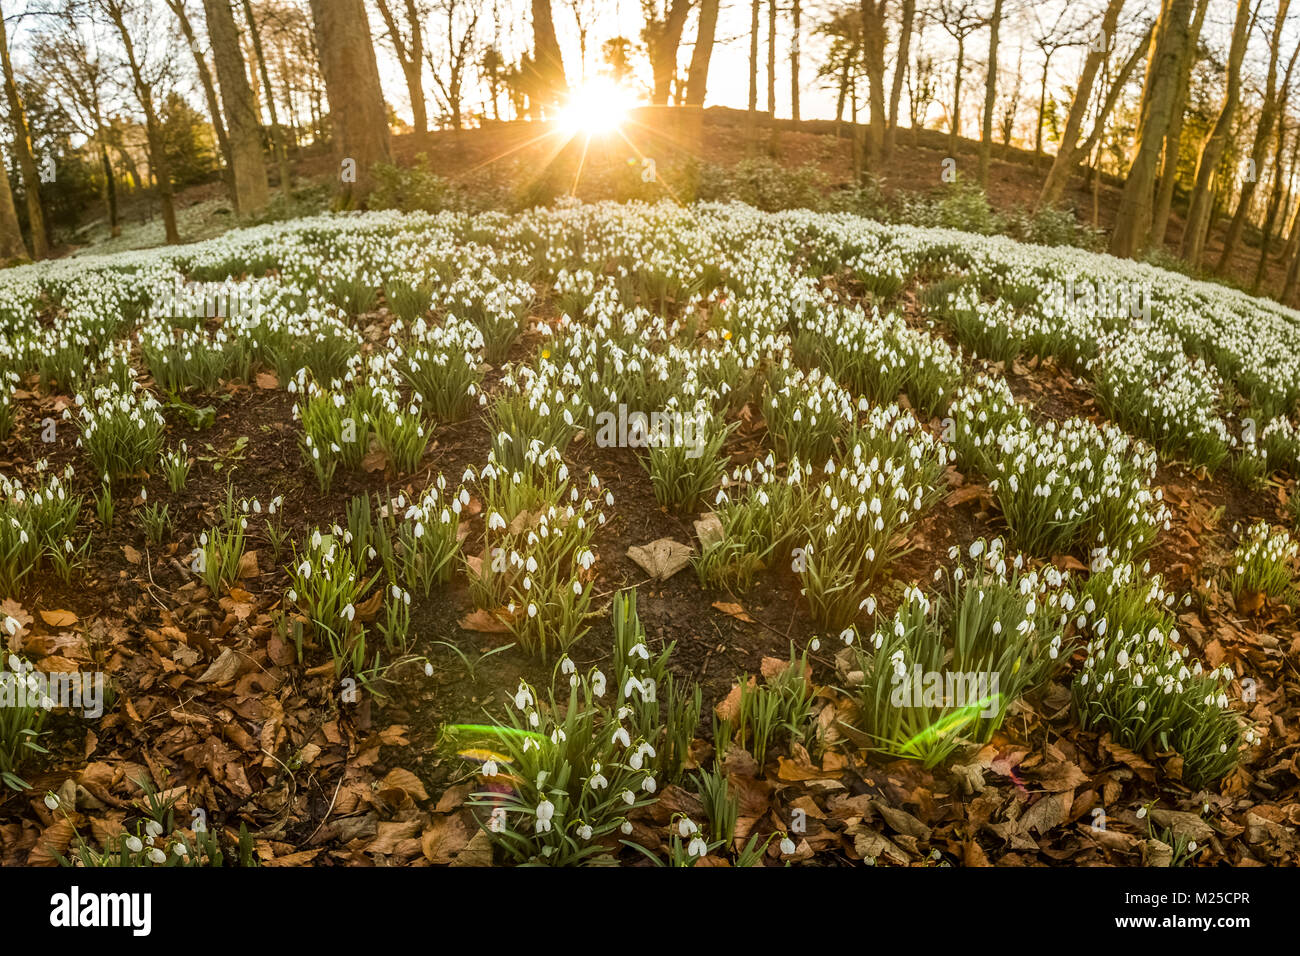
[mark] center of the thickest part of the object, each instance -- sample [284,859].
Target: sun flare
[598,106]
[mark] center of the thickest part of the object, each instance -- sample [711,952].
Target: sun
[598,106]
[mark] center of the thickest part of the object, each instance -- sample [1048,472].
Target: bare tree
[1174,135]
[584,15]
[12,246]
[1207,163]
[1050,34]
[209,93]
[1263,134]
[126,16]
[1275,197]
[874,34]
[243,125]
[548,63]
[357,114]
[663,35]
[407,40]
[23,148]
[1114,90]
[796,15]
[70,66]
[698,77]
[458,27]
[959,18]
[990,94]
[1133,218]
[844,31]
[1067,152]
[900,69]
[277,132]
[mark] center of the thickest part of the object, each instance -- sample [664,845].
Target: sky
[729,70]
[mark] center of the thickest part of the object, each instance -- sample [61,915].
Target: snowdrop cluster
[1264,561]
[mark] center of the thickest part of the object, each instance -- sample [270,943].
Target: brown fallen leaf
[963,494]
[734,610]
[661,559]
[224,669]
[444,839]
[375,459]
[405,780]
[478,852]
[708,528]
[248,566]
[58,618]
[484,621]
[1250,602]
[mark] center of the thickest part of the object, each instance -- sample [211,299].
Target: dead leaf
[376,459]
[708,529]
[483,621]
[405,780]
[248,565]
[224,669]
[442,841]
[58,618]
[734,610]
[661,559]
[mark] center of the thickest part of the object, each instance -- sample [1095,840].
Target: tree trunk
[1133,218]
[357,114]
[771,57]
[546,52]
[1280,186]
[209,95]
[1067,153]
[242,122]
[1207,165]
[1263,133]
[12,246]
[990,95]
[753,65]
[280,148]
[900,68]
[410,57]
[795,16]
[1042,111]
[873,61]
[666,38]
[1174,136]
[23,147]
[1112,95]
[110,189]
[152,126]
[955,131]
[698,78]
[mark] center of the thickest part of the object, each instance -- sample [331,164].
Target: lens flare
[599,106]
